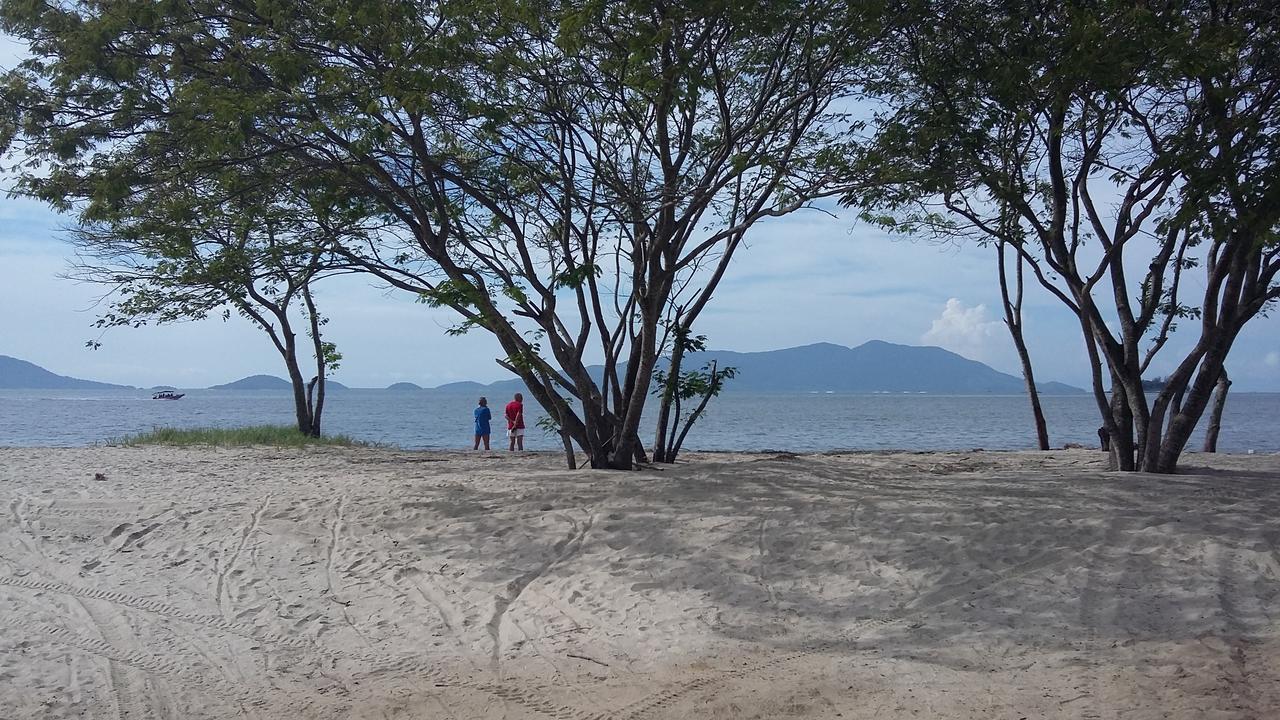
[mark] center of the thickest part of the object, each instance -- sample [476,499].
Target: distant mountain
[512,386]
[20,374]
[255,382]
[872,367]
[404,386]
[269,382]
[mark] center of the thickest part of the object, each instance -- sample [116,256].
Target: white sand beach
[333,583]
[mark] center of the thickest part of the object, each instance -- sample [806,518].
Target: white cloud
[1272,359]
[968,331]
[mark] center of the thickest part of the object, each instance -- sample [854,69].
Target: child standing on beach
[483,414]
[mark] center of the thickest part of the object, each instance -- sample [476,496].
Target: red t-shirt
[515,415]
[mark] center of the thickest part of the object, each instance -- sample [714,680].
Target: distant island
[872,367]
[18,374]
[269,382]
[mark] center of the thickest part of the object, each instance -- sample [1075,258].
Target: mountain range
[20,374]
[874,366]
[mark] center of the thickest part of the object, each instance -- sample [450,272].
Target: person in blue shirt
[482,424]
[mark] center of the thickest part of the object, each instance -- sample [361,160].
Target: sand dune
[327,583]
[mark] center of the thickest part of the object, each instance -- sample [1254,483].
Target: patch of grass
[272,435]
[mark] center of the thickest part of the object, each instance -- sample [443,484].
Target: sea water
[799,422]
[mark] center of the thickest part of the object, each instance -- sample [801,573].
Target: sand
[333,583]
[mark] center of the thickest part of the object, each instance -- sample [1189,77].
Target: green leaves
[708,380]
[450,293]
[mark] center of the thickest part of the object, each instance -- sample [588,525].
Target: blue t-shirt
[482,420]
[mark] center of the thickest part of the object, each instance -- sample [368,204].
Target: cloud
[1272,359]
[968,331]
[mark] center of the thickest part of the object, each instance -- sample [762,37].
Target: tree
[1129,141]
[180,250]
[675,387]
[555,172]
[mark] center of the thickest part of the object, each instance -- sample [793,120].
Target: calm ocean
[738,421]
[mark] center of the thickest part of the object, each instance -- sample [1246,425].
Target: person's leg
[520,440]
[486,442]
[476,445]
[511,434]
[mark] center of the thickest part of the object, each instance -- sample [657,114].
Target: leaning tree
[1118,149]
[561,175]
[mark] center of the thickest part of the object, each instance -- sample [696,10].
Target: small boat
[167,395]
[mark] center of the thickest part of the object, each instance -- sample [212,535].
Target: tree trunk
[1013,321]
[322,364]
[665,400]
[570,459]
[313,409]
[1122,449]
[301,404]
[626,435]
[1037,412]
[1194,404]
[1215,414]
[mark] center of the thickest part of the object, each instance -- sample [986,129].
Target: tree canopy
[1117,147]
[561,175]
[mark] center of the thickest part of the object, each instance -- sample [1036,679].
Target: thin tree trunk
[1013,320]
[570,458]
[301,405]
[322,369]
[558,414]
[693,417]
[627,432]
[665,400]
[1215,415]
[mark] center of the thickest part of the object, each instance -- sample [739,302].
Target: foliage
[695,383]
[1117,148]
[270,435]
[678,388]
[571,168]
[181,247]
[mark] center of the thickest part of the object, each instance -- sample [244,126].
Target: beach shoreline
[362,582]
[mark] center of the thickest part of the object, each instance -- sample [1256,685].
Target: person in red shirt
[515,422]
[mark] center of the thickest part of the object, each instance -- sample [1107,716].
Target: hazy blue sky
[806,278]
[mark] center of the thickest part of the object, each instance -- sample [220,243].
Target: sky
[810,277]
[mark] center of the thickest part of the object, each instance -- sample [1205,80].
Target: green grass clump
[272,435]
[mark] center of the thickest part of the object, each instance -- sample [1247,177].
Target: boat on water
[167,395]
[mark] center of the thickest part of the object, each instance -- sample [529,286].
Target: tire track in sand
[649,705]
[224,572]
[134,659]
[128,692]
[433,672]
[564,549]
